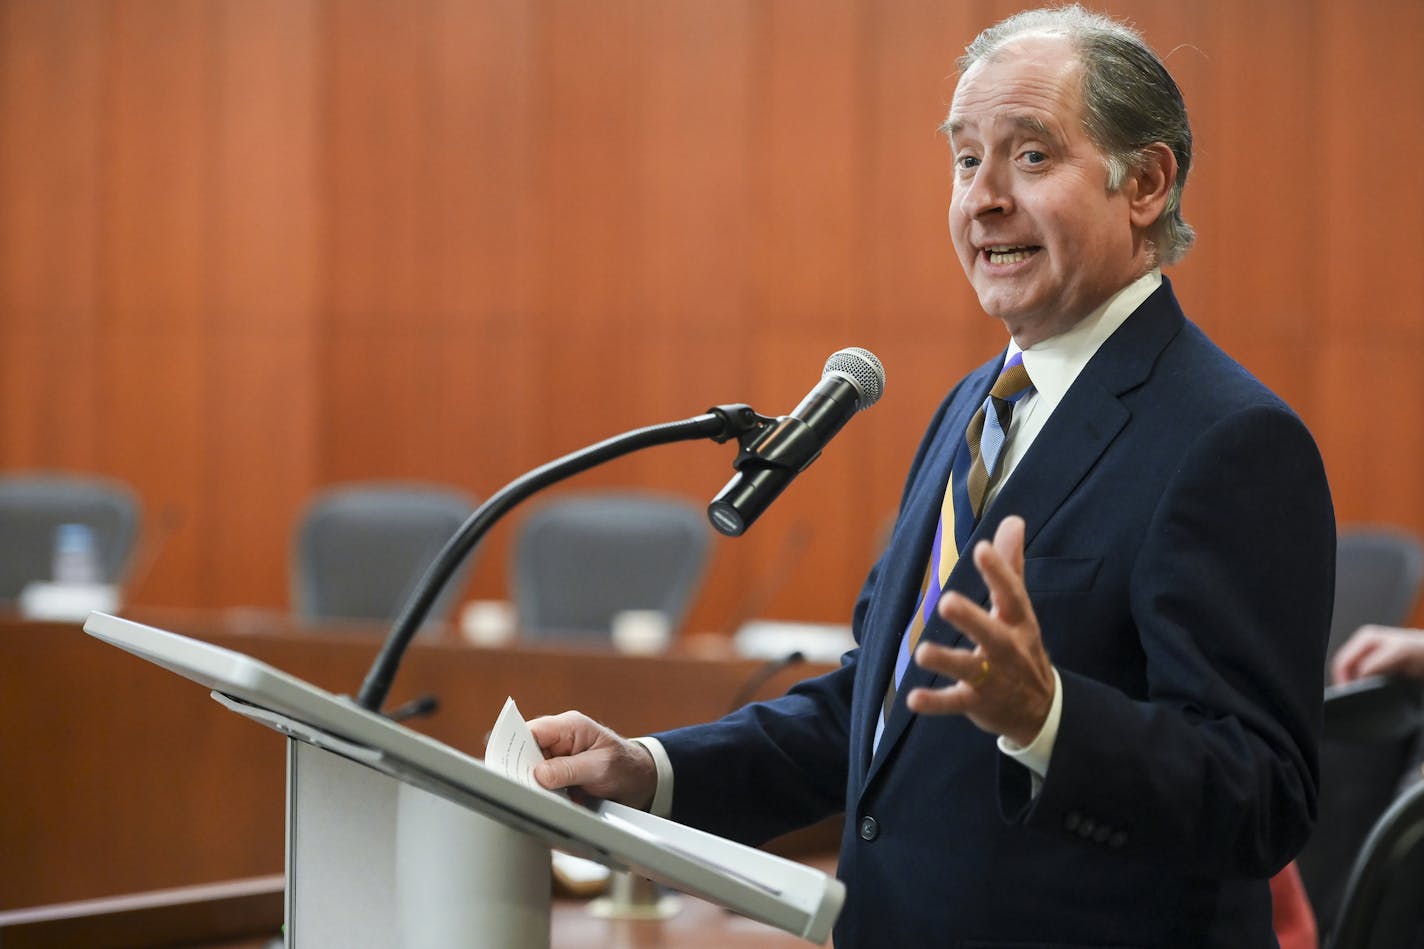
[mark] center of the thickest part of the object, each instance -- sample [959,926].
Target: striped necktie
[986,446]
[989,428]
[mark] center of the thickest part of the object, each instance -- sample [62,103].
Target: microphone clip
[786,442]
[739,421]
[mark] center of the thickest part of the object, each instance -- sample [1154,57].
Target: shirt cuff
[1036,754]
[662,797]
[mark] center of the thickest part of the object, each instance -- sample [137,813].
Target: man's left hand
[1005,683]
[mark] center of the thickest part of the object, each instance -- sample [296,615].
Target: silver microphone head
[862,370]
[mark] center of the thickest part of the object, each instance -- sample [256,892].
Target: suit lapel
[1064,454]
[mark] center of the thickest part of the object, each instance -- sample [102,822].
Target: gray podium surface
[397,839]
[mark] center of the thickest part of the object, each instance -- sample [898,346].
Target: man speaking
[1084,704]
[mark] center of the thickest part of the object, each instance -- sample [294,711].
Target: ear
[1151,185]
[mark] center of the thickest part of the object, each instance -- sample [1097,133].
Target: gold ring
[983,675]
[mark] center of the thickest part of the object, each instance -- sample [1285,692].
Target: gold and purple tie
[989,429]
[986,434]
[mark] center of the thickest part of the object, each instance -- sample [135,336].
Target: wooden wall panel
[1374,461]
[482,82]
[695,165]
[50,104]
[375,167]
[1254,302]
[262,290]
[257,467]
[808,144]
[1369,233]
[251,248]
[592,68]
[152,436]
[154,240]
[1370,219]
[156,163]
[49,395]
[264,198]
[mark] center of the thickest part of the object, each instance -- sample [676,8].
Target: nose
[987,192]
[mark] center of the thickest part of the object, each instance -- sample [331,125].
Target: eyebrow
[1029,123]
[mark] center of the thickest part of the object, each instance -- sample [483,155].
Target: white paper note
[512,750]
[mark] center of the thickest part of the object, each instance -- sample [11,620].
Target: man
[1107,732]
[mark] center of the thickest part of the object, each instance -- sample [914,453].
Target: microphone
[771,456]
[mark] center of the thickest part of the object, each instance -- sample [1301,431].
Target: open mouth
[1009,253]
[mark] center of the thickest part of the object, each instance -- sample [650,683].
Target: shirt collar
[1054,363]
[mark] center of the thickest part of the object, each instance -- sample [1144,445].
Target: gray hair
[1130,101]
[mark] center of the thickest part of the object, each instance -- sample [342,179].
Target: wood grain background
[249,248]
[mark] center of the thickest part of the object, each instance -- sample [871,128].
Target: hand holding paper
[593,760]
[512,750]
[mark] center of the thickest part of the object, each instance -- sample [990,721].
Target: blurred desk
[121,777]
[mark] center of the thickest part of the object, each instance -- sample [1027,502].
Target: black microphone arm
[772,452]
[719,424]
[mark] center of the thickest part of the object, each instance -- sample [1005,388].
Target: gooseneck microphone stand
[719,424]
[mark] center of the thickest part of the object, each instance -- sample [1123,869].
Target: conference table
[124,781]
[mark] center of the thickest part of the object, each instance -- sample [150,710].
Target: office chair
[1377,580]
[1377,577]
[34,504]
[1383,904]
[1367,748]
[360,549]
[581,559]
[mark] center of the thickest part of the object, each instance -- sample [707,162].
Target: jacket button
[1071,821]
[869,829]
[1117,840]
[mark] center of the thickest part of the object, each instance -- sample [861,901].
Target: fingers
[962,665]
[1009,542]
[1374,650]
[1001,564]
[969,668]
[950,701]
[565,734]
[573,771]
[1345,666]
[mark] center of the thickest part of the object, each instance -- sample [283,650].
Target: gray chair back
[360,549]
[583,558]
[34,504]
[1377,576]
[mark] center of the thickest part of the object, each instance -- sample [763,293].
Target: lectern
[397,840]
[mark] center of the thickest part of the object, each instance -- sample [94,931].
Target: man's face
[1040,237]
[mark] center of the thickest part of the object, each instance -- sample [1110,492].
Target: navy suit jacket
[1180,557]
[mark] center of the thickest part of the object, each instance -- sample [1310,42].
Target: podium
[396,840]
